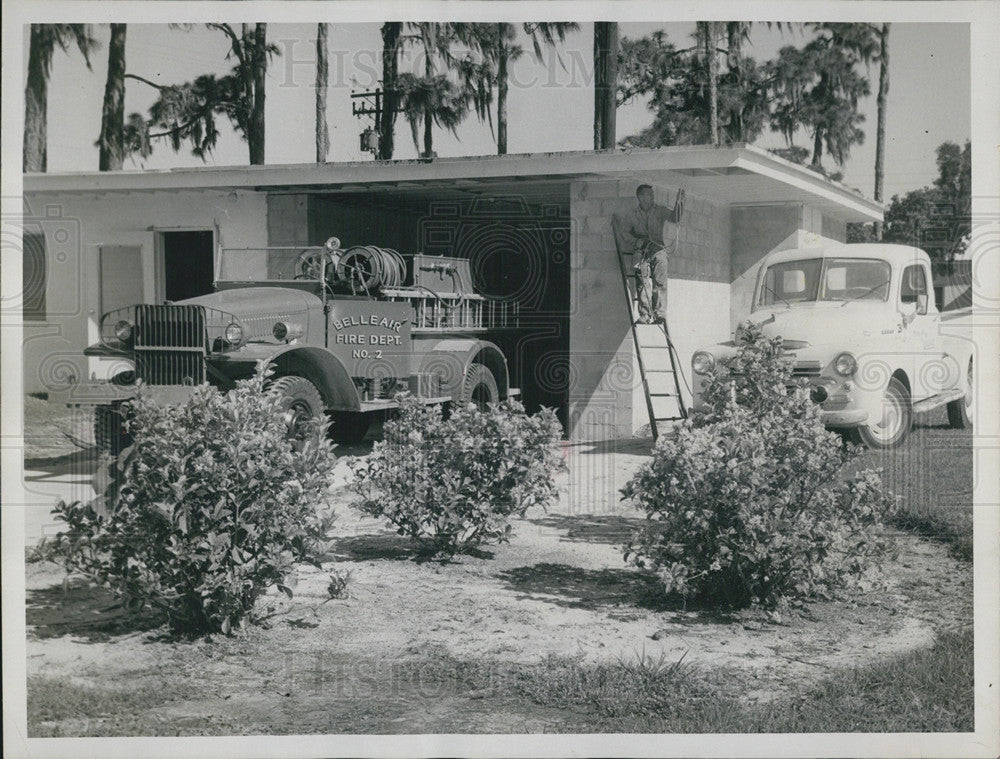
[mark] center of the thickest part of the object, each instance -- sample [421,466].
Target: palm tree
[435,98]
[112,139]
[322,78]
[605,83]
[506,52]
[391,33]
[883,93]
[43,41]
[187,111]
[709,35]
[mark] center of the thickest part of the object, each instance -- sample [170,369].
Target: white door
[921,331]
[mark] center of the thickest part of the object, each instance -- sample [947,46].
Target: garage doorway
[186,263]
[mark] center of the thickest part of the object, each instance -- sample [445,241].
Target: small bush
[453,484]
[212,505]
[747,504]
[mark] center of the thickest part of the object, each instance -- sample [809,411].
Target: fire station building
[536,228]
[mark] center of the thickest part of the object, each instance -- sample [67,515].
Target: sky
[550,104]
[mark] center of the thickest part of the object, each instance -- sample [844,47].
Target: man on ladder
[651,230]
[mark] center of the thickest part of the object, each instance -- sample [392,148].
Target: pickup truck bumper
[845,417]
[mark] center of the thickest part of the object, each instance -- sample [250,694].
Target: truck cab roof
[895,255]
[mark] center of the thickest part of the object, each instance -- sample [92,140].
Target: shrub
[453,484]
[747,504]
[212,505]
[757,378]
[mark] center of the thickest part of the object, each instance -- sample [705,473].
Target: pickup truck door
[921,334]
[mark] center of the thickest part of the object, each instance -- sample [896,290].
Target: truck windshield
[263,264]
[825,279]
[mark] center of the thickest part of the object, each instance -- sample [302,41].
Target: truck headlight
[233,334]
[284,331]
[123,330]
[845,364]
[702,362]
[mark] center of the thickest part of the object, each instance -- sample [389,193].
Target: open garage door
[517,241]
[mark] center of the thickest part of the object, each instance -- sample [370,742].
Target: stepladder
[658,364]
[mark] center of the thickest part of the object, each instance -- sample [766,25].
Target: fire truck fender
[324,370]
[451,359]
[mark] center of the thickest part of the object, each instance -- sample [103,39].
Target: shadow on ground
[85,611]
[609,529]
[378,546]
[640,446]
[390,546]
[79,463]
[579,588]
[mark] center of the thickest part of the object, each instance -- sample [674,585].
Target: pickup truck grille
[170,344]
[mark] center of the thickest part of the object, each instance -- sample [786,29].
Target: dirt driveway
[366,663]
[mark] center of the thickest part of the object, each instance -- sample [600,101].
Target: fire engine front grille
[170,344]
[806,369]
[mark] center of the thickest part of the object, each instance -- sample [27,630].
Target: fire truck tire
[109,434]
[350,426]
[301,405]
[480,387]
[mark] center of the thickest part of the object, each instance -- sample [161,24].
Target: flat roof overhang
[739,175]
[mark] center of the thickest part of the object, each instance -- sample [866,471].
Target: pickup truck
[861,328]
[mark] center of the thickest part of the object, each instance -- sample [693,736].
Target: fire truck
[345,328]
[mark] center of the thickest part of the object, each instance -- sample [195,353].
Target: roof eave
[571,165]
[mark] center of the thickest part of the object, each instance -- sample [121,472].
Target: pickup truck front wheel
[960,411]
[897,418]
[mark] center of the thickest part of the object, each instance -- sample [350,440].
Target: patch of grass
[56,704]
[933,476]
[922,691]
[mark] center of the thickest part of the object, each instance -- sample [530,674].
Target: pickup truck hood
[257,301]
[819,323]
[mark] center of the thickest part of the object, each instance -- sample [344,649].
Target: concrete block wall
[605,396]
[757,230]
[82,223]
[287,219]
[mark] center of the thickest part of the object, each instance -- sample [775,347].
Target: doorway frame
[159,256]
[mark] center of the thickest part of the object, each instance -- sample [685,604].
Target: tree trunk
[712,66]
[817,158]
[112,139]
[734,60]
[502,100]
[391,32]
[256,53]
[428,116]
[322,80]
[822,94]
[883,92]
[605,83]
[36,94]
[734,39]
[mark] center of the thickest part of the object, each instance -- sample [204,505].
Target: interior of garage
[515,235]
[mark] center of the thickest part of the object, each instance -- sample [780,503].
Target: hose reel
[365,268]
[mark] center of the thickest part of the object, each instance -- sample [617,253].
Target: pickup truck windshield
[825,279]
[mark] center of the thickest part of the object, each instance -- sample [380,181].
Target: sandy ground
[559,588]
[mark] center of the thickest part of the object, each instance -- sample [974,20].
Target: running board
[928,404]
